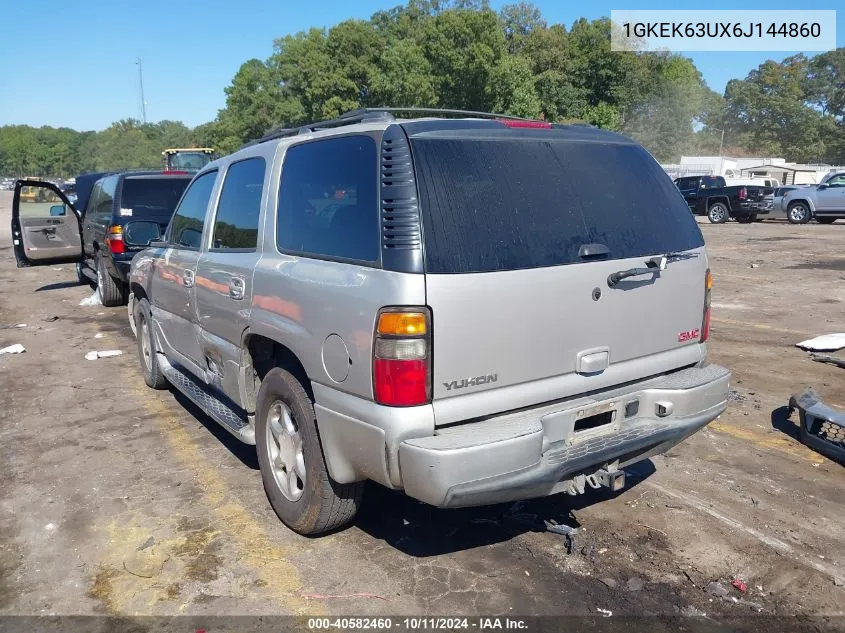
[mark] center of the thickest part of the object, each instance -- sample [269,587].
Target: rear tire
[826,220]
[110,290]
[718,213]
[798,213]
[147,353]
[290,457]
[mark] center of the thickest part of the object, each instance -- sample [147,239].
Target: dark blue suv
[120,216]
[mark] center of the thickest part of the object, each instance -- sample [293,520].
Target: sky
[74,64]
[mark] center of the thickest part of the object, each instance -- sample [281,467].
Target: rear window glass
[490,205]
[152,197]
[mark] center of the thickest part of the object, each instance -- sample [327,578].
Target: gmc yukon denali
[473,310]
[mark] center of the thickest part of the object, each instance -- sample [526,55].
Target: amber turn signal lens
[401,323]
[708,281]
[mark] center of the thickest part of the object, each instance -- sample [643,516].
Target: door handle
[236,288]
[188,278]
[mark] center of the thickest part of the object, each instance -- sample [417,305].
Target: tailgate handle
[593,361]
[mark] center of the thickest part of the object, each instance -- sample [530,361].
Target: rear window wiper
[653,266]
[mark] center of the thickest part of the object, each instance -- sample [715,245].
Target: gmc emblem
[689,335]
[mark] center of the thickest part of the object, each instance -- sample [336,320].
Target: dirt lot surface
[115,499]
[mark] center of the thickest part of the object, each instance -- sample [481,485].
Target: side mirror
[57,209]
[823,186]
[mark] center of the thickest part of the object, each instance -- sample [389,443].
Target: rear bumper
[522,457]
[757,208]
[532,453]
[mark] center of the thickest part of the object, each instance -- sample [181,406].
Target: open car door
[46,227]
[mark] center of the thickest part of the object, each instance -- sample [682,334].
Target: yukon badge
[471,382]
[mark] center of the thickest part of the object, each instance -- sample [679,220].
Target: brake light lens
[743,194]
[705,324]
[114,240]
[529,124]
[402,357]
[174,172]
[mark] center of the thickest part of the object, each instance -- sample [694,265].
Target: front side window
[236,224]
[837,181]
[328,199]
[187,223]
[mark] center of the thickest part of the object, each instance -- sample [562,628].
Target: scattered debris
[126,569]
[821,426]
[717,589]
[610,583]
[17,348]
[50,527]
[605,612]
[838,582]
[320,596]
[635,583]
[147,544]
[57,268]
[50,319]
[94,355]
[98,335]
[567,532]
[690,611]
[824,343]
[93,300]
[654,529]
[755,265]
[737,584]
[735,396]
[829,359]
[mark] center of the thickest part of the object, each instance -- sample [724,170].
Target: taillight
[114,240]
[705,324]
[520,123]
[174,172]
[743,194]
[402,357]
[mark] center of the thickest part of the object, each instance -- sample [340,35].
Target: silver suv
[473,310]
[825,202]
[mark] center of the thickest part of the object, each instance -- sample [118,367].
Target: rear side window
[105,199]
[328,203]
[490,205]
[151,198]
[236,224]
[189,219]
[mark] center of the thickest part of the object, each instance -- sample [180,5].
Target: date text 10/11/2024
[418,623]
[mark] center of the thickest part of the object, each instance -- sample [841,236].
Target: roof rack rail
[374,114]
[439,111]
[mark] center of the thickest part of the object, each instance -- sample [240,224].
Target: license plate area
[593,422]
[581,422]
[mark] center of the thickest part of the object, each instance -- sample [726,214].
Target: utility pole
[141,85]
[721,141]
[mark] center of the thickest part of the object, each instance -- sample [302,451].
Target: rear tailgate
[521,305]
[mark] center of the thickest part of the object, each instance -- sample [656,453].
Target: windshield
[188,160]
[492,205]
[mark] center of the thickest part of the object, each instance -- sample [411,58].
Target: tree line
[462,54]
